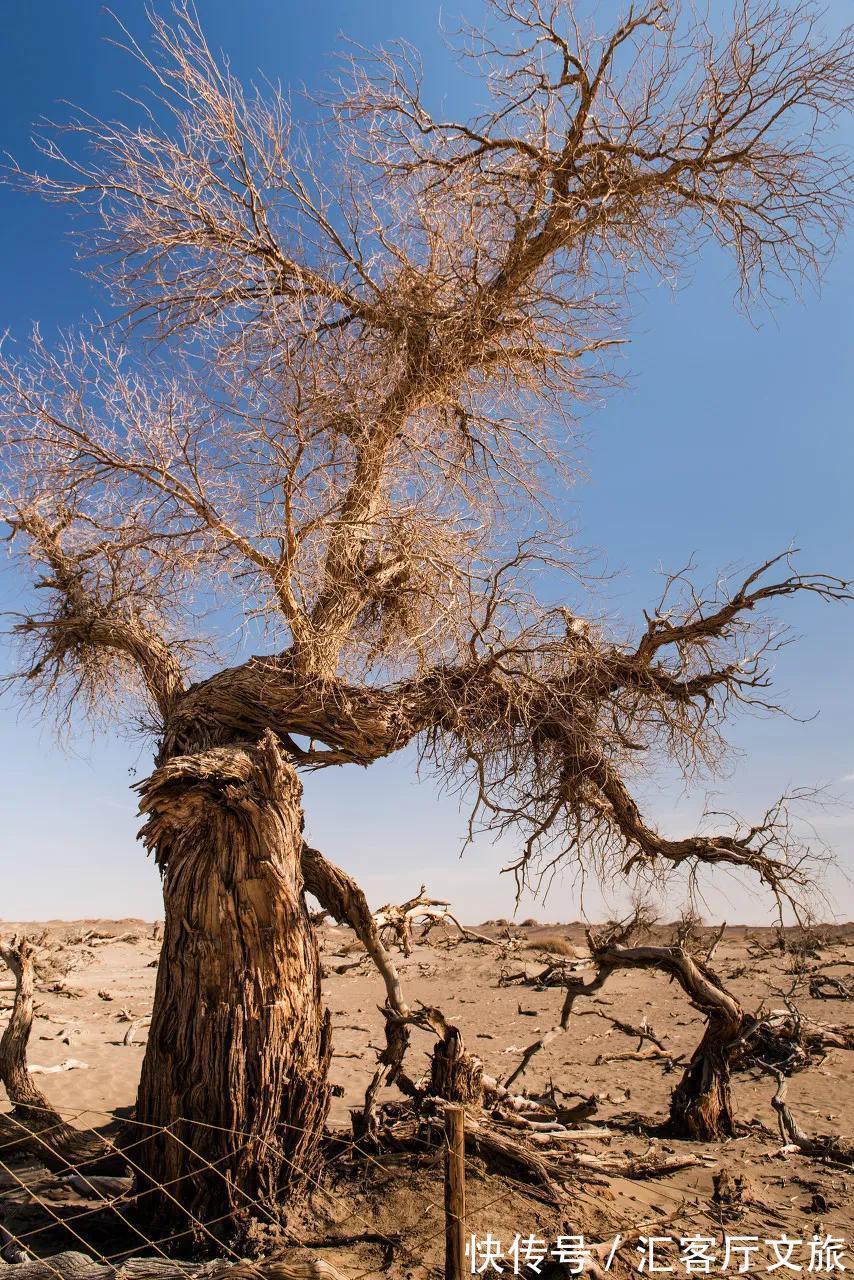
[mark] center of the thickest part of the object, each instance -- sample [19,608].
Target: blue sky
[731,441]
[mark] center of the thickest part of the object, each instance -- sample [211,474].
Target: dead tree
[829,1147]
[399,920]
[34,1124]
[701,1107]
[346,902]
[358,335]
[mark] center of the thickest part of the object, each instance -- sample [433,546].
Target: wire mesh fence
[65,1218]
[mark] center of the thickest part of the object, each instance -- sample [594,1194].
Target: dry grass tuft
[553,944]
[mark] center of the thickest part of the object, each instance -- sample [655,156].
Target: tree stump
[455,1075]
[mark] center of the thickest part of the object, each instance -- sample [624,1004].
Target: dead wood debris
[549,1157]
[555,974]
[396,922]
[134,1024]
[827,1147]
[529,1138]
[788,1040]
[823,986]
[34,1124]
[512,1131]
[732,1191]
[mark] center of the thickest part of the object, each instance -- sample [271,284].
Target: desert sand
[97,986]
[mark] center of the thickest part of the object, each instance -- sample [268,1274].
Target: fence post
[455,1193]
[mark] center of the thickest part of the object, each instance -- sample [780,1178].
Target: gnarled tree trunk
[702,1107]
[234,1077]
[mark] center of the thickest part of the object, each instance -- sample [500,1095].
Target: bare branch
[376,333]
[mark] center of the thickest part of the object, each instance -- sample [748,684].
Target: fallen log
[557,973]
[637,1055]
[68,1064]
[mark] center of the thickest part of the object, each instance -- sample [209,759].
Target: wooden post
[455,1193]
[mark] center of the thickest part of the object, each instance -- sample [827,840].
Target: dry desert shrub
[554,945]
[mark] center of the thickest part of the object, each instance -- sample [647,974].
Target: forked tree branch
[544,729]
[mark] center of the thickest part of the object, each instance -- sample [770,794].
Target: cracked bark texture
[702,1106]
[234,1077]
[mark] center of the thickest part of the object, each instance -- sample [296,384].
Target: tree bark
[702,1106]
[234,1077]
[455,1074]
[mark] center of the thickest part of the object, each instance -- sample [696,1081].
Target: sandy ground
[102,974]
